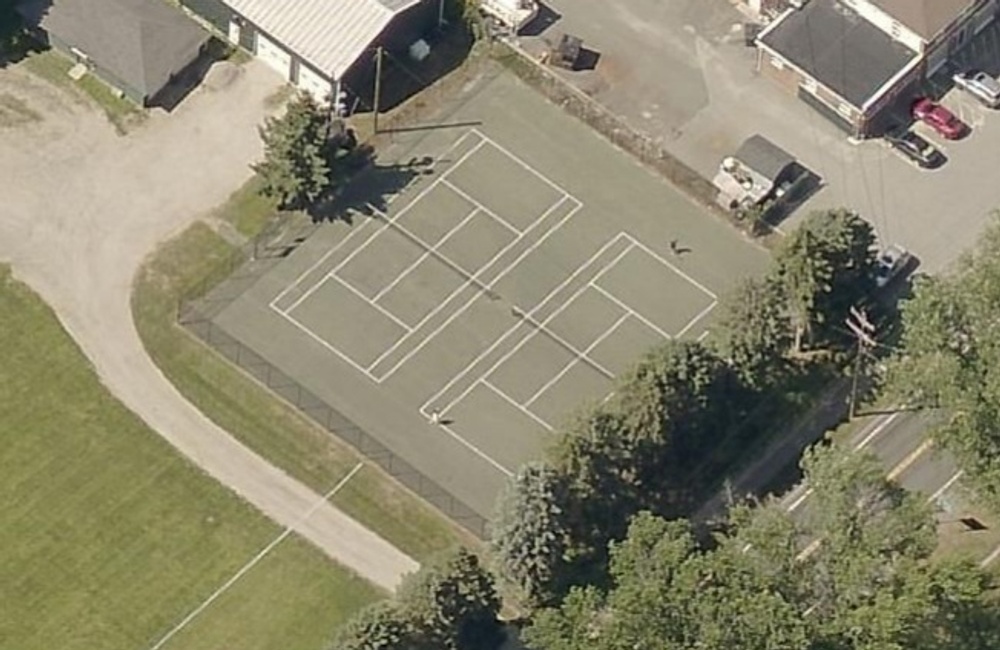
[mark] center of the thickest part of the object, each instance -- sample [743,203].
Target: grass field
[253,414]
[110,538]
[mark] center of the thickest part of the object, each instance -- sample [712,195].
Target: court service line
[698,317]
[385,312]
[465,195]
[350,235]
[523,164]
[524,409]
[427,253]
[254,561]
[539,327]
[503,273]
[329,346]
[568,366]
[612,297]
[947,486]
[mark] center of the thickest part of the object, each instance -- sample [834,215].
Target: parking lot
[679,72]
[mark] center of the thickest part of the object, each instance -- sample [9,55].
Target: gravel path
[81,208]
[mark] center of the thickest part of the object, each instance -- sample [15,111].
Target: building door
[273,54]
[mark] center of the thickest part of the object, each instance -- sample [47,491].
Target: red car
[938,118]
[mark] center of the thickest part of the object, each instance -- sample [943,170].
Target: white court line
[524,409]
[465,195]
[538,327]
[523,164]
[610,296]
[701,337]
[294,283]
[332,348]
[253,561]
[388,314]
[427,253]
[698,317]
[568,366]
[474,449]
[461,310]
[676,270]
[800,500]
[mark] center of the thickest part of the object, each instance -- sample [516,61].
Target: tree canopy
[297,156]
[950,357]
[869,583]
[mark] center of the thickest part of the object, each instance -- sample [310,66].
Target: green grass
[263,422]
[247,210]
[109,537]
[54,67]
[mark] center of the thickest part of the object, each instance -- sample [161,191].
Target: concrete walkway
[82,208]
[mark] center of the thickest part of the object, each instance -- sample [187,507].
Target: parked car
[980,85]
[938,118]
[914,148]
[891,261]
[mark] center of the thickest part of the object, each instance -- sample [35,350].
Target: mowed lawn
[109,538]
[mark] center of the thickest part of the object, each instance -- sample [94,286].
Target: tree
[453,603]
[381,626]
[824,266]
[529,535]
[755,332]
[296,165]
[950,358]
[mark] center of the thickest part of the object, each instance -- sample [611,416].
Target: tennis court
[466,319]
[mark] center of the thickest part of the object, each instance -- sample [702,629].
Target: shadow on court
[371,189]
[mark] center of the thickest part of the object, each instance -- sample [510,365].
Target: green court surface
[509,272]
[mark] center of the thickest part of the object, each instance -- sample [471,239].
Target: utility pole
[864,332]
[378,85]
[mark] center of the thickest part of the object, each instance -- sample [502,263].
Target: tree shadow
[185,82]
[17,42]
[371,187]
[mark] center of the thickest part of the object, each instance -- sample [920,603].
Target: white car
[980,85]
[890,262]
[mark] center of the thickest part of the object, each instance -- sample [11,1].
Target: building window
[896,30]
[809,85]
[845,109]
[777,63]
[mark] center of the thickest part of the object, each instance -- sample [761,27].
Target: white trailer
[512,14]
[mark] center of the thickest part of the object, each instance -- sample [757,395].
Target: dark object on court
[566,52]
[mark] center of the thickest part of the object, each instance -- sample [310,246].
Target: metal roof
[329,34]
[926,17]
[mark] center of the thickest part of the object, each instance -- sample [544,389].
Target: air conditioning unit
[798,4]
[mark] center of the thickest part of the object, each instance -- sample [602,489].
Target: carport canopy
[764,157]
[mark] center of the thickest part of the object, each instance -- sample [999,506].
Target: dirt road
[82,207]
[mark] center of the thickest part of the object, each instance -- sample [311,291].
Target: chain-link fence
[234,275]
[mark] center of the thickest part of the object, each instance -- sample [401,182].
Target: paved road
[82,208]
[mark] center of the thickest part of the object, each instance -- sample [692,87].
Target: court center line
[503,337]
[350,235]
[568,366]
[465,195]
[612,297]
[524,409]
[392,221]
[405,272]
[465,306]
[385,312]
[462,287]
[947,486]
[540,327]
[254,560]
